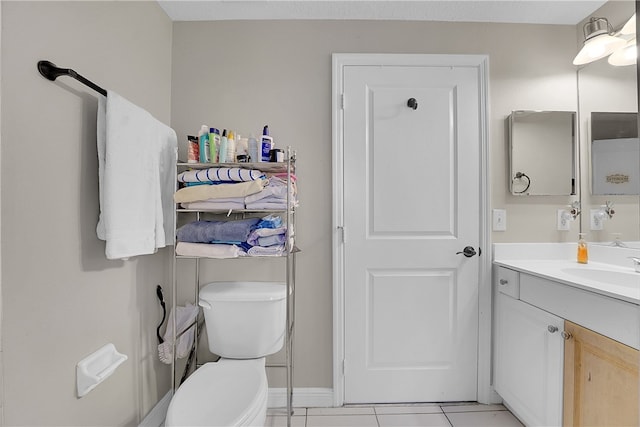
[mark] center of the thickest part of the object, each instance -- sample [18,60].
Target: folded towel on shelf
[270,221]
[214,205]
[185,317]
[136,178]
[208,250]
[208,231]
[220,174]
[277,250]
[204,192]
[277,239]
[280,205]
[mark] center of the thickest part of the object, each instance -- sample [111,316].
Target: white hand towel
[136,161]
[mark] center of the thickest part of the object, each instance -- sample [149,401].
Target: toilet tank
[245,320]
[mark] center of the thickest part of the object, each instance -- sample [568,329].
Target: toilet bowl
[224,393]
[245,322]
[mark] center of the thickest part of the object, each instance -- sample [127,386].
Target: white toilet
[245,322]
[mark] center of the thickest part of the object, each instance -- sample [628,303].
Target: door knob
[553,329]
[412,103]
[468,251]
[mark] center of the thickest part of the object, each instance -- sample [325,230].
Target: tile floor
[417,415]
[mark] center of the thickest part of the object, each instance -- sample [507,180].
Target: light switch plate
[499,220]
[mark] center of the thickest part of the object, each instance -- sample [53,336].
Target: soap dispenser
[583,253]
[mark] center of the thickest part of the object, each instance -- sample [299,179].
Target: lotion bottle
[231,147]
[583,252]
[222,152]
[203,139]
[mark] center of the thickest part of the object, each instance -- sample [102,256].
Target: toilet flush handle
[202,303]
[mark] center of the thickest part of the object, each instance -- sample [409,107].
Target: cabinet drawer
[508,282]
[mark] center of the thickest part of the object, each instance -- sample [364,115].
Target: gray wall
[62,298]
[244,74]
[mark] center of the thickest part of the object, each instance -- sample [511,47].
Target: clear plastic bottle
[222,152]
[231,148]
[254,153]
[583,251]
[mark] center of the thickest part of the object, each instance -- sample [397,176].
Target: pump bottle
[583,252]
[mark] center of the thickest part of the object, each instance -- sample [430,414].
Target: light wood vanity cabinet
[552,372]
[600,380]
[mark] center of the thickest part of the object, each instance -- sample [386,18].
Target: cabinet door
[600,380]
[528,361]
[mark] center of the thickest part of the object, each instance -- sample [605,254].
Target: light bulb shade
[630,26]
[626,55]
[598,47]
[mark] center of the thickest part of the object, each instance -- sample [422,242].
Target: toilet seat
[224,393]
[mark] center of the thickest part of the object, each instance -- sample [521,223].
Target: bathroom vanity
[566,335]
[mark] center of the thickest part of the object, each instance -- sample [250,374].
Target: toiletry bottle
[203,138]
[231,148]
[214,143]
[222,152]
[193,149]
[266,144]
[253,149]
[583,254]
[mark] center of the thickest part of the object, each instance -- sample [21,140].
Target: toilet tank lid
[243,291]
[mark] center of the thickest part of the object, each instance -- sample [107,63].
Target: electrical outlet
[499,220]
[564,224]
[596,219]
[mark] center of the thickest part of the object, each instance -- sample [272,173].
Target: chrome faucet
[636,263]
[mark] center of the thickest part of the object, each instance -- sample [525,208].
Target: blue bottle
[266,145]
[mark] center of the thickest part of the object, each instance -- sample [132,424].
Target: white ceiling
[568,12]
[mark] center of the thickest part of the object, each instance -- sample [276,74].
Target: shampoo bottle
[231,148]
[203,138]
[222,153]
[214,143]
[583,253]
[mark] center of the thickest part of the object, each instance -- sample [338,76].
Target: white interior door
[411,203]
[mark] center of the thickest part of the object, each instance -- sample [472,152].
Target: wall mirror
[604,88]
[614,153]
[542,153]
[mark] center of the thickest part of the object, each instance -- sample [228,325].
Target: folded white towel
[214,205]
[277,250]
[208,250]
[136,173]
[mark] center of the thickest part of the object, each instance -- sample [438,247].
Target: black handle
[412,103]
[468,251]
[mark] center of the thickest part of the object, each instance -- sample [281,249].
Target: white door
[411,204]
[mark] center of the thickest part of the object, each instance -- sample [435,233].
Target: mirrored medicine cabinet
[614,153]
[542,153]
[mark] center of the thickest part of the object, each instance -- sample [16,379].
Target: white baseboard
[302,397]
[155,417]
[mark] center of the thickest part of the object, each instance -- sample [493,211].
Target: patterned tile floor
[417,415]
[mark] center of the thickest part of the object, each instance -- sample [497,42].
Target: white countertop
[609,271]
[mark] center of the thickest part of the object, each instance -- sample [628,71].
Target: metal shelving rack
[287,167]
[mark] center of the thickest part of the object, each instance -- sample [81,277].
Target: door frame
[485,391]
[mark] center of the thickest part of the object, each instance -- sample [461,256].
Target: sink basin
[619,278]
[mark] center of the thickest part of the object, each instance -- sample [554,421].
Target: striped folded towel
[220,174]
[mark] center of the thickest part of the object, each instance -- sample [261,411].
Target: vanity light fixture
[599,41]
[630,26]
[626,55]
